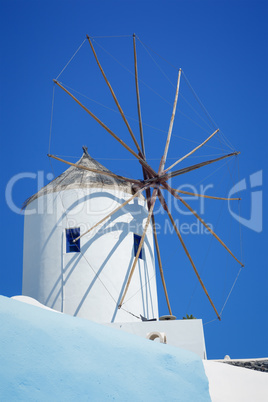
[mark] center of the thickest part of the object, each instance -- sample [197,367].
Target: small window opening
[137,240]
[71,235]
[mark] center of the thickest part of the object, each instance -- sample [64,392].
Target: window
[71,246]
[137,240]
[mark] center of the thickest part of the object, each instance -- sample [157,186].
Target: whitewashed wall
[184,334]
[88,284]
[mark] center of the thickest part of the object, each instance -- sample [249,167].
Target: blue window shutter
[71,246]
[137,240]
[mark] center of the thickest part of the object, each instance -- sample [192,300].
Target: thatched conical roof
[79,178]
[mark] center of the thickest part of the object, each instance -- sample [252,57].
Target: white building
[87,278]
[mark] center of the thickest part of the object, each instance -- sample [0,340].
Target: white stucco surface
[185,334]
[56,357]
[235,384]
[226,383]
[33,302]
[89,284]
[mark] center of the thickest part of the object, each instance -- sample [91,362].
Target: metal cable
[71,58]
[113,36]
[202,270]
[161,57]
[174,86]
[51,119]
[145,124]
[231,290]
[205,110]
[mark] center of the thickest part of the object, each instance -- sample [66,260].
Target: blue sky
[221,47]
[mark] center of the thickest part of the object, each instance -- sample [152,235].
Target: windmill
[154,182]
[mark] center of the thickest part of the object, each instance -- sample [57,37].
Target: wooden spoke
[164,204]
[151,179]
[96,170]
[113,95]
[160,265]
[139,248]
[172,191]
[207,196]
[140,157]
[110,214]
[190,153]
[138,95]
[197,166]
[148,196]
[164,157]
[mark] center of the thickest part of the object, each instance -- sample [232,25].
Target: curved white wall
[88,284]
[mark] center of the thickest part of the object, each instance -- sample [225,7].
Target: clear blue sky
[222,48]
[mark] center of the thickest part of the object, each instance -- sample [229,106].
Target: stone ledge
[252,364]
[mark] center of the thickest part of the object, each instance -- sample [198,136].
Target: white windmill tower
[86,278]
[87,256]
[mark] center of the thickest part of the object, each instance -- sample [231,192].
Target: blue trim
[137,240]
[72,234]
